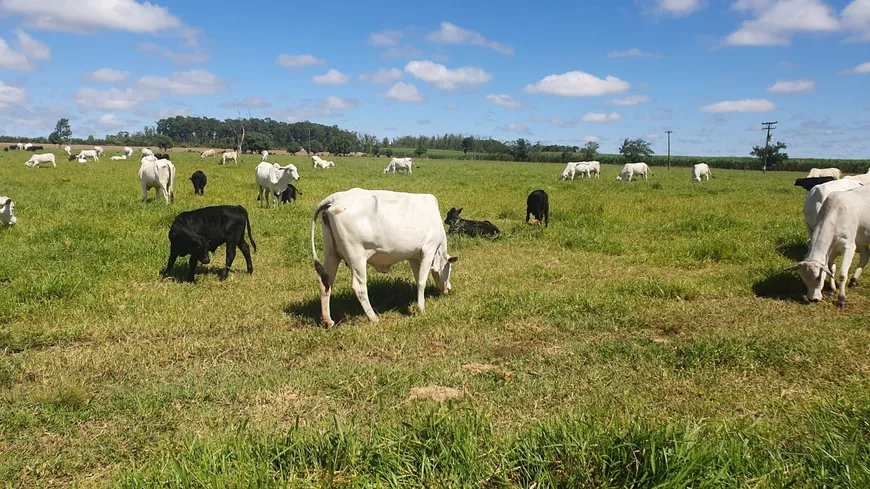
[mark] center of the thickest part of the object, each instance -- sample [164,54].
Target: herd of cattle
[381,228]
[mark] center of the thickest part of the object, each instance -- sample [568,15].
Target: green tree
[387,152]
[420,151]
[520,150]
[635,150]
[62,133]
[774,154]
[293,147]
[256,142]
[467,144]
[163,141]
[316,146]
[589,151]
[342,144]
[90,139]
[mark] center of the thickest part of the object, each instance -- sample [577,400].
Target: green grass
[648,337]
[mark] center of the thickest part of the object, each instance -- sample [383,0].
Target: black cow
[199,180]
[11,146]
[198,232]
[73,157]
[287,195]
[538,205]
[161,156]
[35,148]
[809,183]
[459,225]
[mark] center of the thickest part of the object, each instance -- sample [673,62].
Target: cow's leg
[360,287]
[832,266]
[231,255]
[421,275]
[848,254]
[629,176]
[865,256]
[170,264]
[144,193]
[192,265]
[326,283]
[246,252]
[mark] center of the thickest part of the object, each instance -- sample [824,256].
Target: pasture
[648,337]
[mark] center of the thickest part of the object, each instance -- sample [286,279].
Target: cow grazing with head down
[538,205]
[273,179]
[198,232]
[397,164]
[199,180]
[38,160]
[380,228]
[207,153]
[458,225]
[7,212]
[808,183]
[631,169]
[701,170]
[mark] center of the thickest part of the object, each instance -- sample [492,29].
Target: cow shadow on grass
[181,270]
[781,285]
[385,295]
[793,250]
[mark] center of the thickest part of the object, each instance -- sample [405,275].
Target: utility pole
[766,126]
[669,149]
[309,141]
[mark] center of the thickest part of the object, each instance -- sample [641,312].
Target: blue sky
[558,71]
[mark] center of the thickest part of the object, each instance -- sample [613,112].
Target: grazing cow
[128,151]
[265,154]
[12,147]
[538,205]
[7,212]
[843,227]
[701,170]
[397,164]
[37,160]
[863,178]
[89,153]
[199,180]
[289,194]
[159,175]
[19,145]
[27,146]
[35,148]
[198,232]
[380,228]
[273,179]
[208,152]
[594,167]
[162,156]
[67,150]
[99,150]
[458,225]
[817,196]
[119,157]
[574,168]
[825,172]
[808,183]
[320,163]
[230,155]
[80,159]
[147,152]
[631,169]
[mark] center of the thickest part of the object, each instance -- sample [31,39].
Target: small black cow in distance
[198,232]
[199,180]
[809,183]
[161,156]
[36,148]
[538,205]
[287,195]
[459,225]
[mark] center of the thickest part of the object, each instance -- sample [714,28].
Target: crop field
[649,337]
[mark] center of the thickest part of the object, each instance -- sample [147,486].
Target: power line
[766,126]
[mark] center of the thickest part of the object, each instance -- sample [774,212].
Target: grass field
[648,337]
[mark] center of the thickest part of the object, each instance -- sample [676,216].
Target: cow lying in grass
[458,225]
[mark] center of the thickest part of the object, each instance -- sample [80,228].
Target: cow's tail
[250,237]
[318,267]
[171,182]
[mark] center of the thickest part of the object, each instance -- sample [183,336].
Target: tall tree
[635,150]
[520,150]
[774,154]
[589,151]
[467,144]
[62,132]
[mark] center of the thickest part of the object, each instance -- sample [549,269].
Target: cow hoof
[841,303]
[853,282]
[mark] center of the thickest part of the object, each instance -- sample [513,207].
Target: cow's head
[441,268]
[452,215]
[291,169]
[813,274]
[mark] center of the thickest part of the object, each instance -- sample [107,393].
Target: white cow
[120,157]
[7,212]
[89,153]
[99,150]
[824,172]
[147,152]
[37,160]
[230,155]
[380,228]
[319,163]
[863,178]
[27,145]
[397,164]
[128,151]
[265,154]
[81,159]
[274,179]
[817,195]
[594,167]
[575,167]
[208,152]
[843,227]
[631,169]
[19,145]
[67,150]
[701,170]
[159,175]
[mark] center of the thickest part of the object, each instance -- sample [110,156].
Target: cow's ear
[452,259]
[460,210]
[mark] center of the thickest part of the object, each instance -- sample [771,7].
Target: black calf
[287,195]
[538,205]
[199,180]
[161,156]
[809,183]
[467,227]
[198,232]
[36,148]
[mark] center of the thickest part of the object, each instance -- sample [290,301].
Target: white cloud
[453,34]
[793,86]
[111,120]
[745,105]
[325,107]
[162,113]
[633,52]
[591,139]
[778,20]
[447,79]
[404,92]
[630,100]
[504,100]
[652,136]
[331,77]
[402,51]
[856,17]
[859,70]
[601,117]
[338,103]
[298,60]
[517,128]
[677,8]
[180,57]
[578,84]
[247,103]
[87,16]
[194,82]
[383,75]
[13,60]
[386,37]
[10,95]
[31,47]
[108,75]
[113,98]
